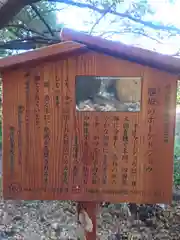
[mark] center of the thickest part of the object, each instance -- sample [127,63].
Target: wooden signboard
[62,139]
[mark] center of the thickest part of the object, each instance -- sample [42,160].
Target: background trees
[27,24]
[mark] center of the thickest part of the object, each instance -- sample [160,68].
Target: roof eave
[41,54]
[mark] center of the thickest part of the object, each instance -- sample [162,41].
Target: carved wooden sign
[69,137]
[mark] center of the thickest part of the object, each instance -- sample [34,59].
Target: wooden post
[89,208]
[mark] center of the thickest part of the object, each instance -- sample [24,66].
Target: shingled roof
[123,51]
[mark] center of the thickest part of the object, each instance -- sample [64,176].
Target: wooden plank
[40,54]
[51,151]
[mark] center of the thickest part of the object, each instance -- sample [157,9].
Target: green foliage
[177,172]
[177,160]
[0,133]
[29,18]
[178,92]
[177,147]
[33,22]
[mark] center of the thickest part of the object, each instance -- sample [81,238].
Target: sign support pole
[87,218]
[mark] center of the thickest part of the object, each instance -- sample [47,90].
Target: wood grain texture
[50,151]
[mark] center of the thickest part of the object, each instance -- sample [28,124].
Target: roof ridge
[121,50]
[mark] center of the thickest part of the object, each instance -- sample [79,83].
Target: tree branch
[10,8]
[24,27]
[27,43]
[42,19]
[122,15]
[101,17]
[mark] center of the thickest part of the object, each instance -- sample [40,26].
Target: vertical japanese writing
[114,169]
[65,151]
[86,124]
[95,176]
[135,155]
[152,101]
[167,112]
[151,118]
[37,100]
[66,119]
[124,172]
[57,96]
[125,139]
[27,89]
[75,171]
[115,157]
[152,96]
[105,149]
[116,126]
[125,156]
[12,148]
[47,134]
[46,153]
[46,103]
[46,84]
[20,112]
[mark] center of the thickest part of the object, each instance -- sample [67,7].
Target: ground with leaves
[39,220]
